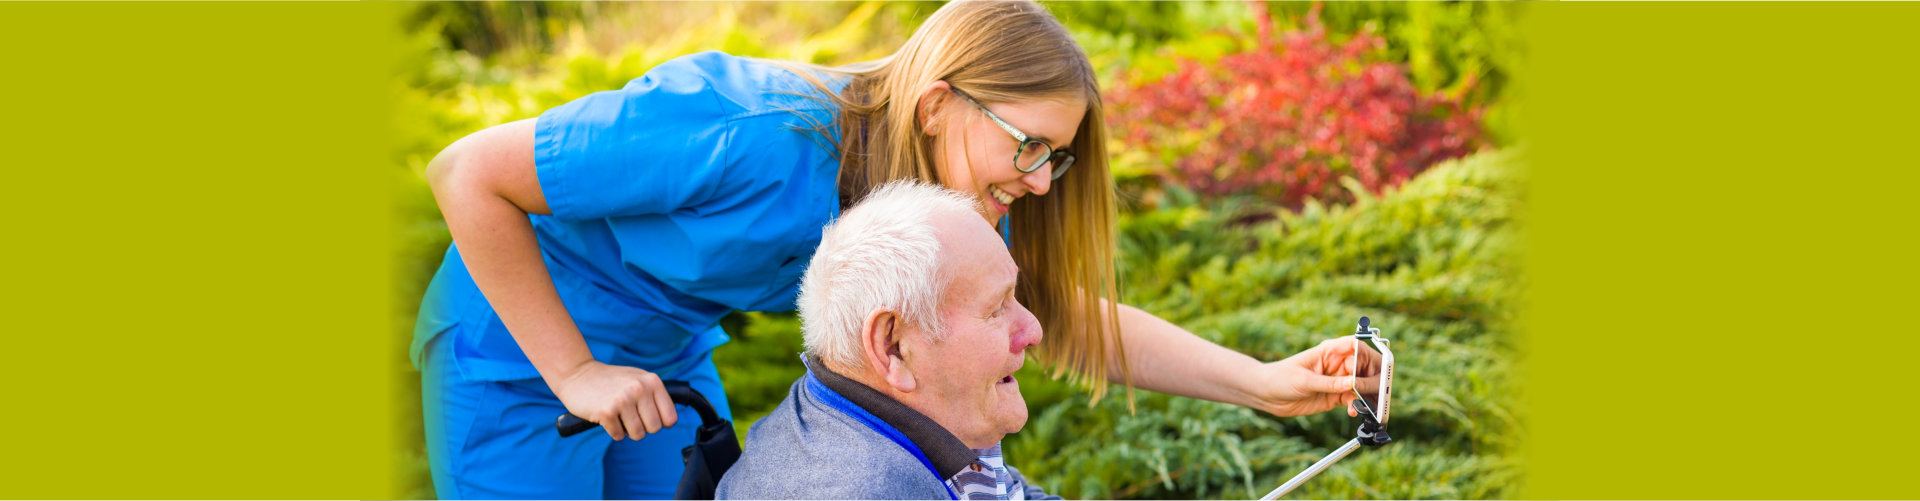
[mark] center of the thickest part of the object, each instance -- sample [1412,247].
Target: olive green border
[198,255]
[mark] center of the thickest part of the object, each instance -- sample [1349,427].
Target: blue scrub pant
[496,440]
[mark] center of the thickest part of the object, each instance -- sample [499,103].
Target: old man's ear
[882,339]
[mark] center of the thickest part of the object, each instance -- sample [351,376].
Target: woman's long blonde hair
[997,52]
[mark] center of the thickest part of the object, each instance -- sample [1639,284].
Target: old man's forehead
[1000,275]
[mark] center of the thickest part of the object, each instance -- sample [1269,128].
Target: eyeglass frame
[1052,155]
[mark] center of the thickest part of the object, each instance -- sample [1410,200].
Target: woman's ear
[933,99]
[881,345]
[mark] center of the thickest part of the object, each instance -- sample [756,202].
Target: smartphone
[1373,375]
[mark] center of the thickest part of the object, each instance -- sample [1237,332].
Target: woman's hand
[627,402]
[1310,382]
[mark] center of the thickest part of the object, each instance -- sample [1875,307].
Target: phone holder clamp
[1371,433]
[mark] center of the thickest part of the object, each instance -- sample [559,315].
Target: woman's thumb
[1330,384]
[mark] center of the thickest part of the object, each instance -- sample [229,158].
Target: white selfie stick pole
[1318,466]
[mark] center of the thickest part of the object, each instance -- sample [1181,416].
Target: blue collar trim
[1006,229]
[840,403]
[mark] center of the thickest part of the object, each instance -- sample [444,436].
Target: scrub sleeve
[694,191]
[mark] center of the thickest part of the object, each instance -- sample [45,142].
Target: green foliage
[1430,261]
[1444,43]
[758,366]
[1286,118]
[1139,36]
[1467,50]
[485,28]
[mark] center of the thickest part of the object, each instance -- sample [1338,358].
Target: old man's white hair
[882,254]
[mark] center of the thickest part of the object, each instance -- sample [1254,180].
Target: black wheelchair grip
[571,425]
[680,391]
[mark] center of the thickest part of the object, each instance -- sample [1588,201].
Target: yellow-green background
[1722,260]
[197,269]
[196,251]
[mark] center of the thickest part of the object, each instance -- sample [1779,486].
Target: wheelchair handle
[681,392]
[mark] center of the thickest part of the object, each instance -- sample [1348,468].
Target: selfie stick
[1371,433]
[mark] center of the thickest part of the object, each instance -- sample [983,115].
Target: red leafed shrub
[1287,119]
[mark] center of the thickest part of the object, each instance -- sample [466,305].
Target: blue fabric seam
[759,113]
[559,197]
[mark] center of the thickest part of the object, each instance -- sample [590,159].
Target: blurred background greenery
[1369,171]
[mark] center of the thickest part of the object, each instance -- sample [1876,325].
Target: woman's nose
[1040,180]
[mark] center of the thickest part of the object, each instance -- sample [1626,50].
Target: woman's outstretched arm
[1166,358]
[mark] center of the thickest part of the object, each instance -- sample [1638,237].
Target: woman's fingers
[649,415]
[664,403]
[634,421]
[1339,347]
[612,425]
[649,392]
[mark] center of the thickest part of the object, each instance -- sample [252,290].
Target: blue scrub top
[698,189]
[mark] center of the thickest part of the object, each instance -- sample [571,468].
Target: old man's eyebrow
[1004,294]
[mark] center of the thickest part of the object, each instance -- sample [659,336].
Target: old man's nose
[1026,332]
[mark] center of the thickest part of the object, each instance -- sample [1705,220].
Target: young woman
[597,246]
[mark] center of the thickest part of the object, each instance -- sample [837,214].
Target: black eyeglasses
[1033,153]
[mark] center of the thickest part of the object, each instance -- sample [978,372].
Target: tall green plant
[1430,261]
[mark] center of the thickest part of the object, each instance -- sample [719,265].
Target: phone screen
[1370,373]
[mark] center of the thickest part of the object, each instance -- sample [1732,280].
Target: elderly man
[912,338]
